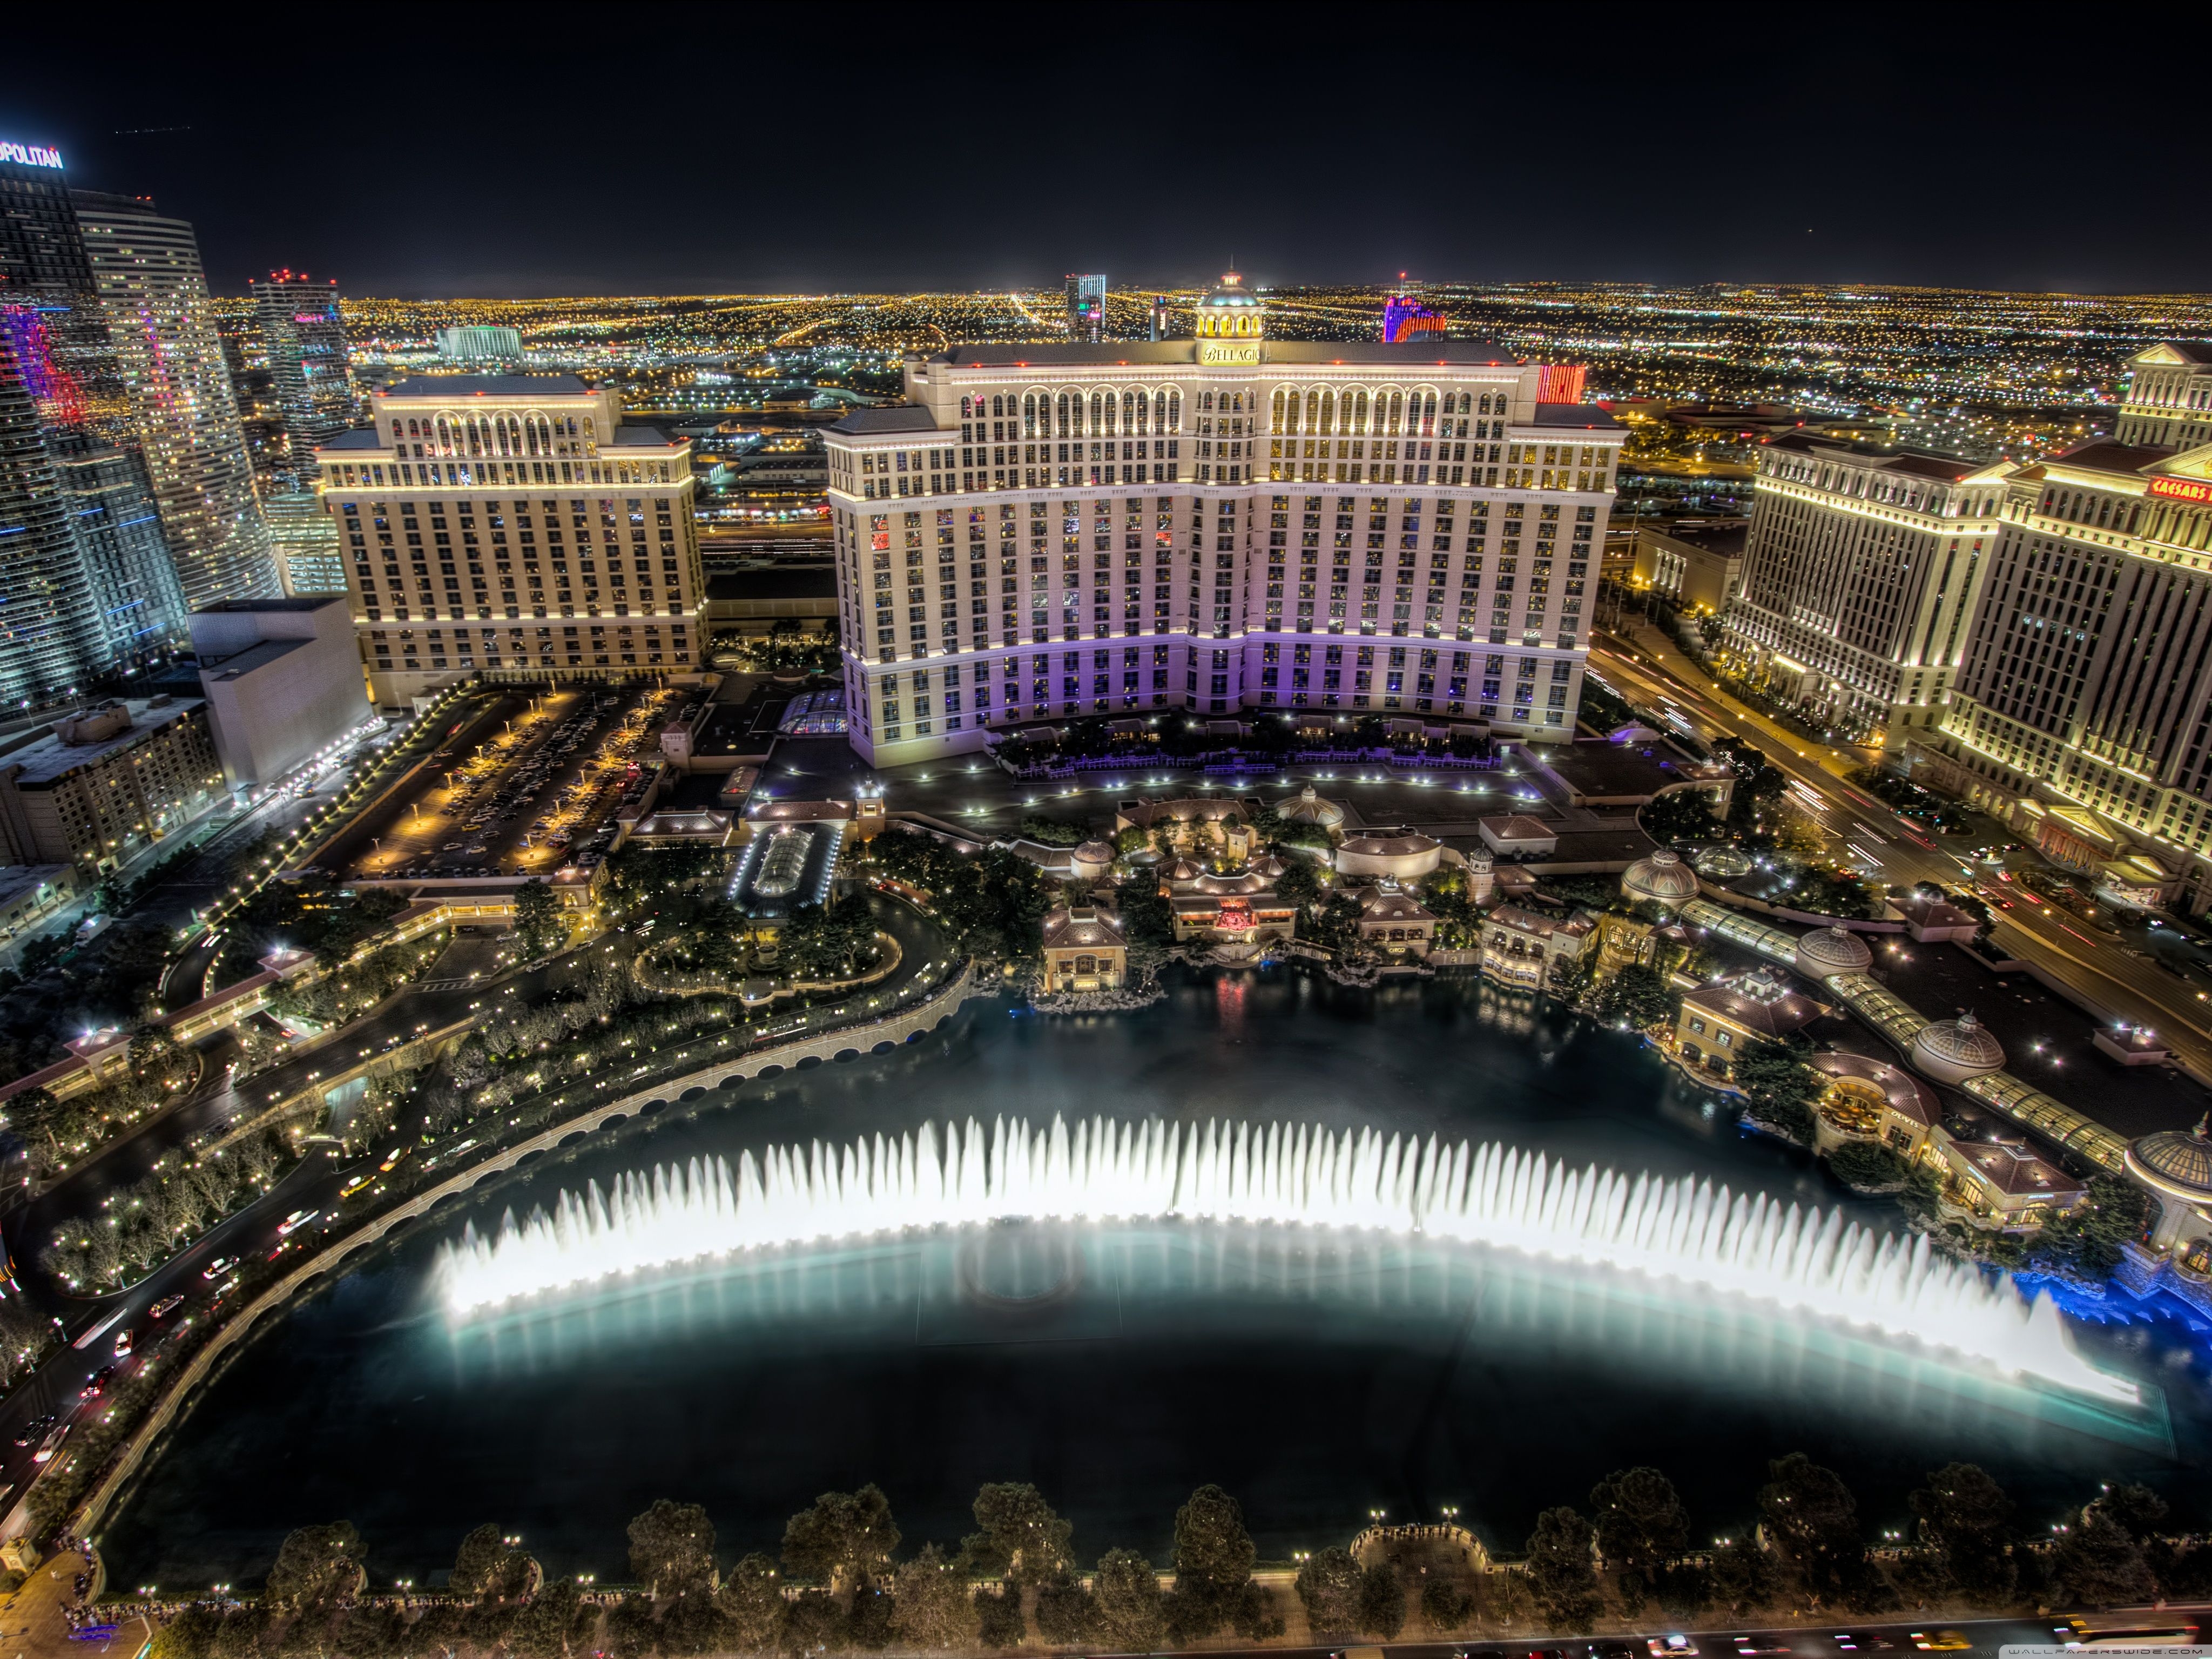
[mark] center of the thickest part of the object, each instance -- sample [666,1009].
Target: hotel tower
[1213,524]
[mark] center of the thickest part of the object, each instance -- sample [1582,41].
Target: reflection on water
[1021,1283]
[1316,1375]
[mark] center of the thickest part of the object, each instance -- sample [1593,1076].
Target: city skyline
[1782,157]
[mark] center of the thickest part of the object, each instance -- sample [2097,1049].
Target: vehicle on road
[2093,1635]
[50,1444]
[165,1306]
[292,1223]
[30,1431]
[1672,1647]
[123,1338]
[1747,1646]
[219,1266]
[1942,1641]
[1853,1644]
[96,1385]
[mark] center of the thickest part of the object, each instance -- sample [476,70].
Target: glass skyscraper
[305,341]
[148,269]
[85,578]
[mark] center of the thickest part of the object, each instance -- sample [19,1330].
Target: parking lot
[523,795]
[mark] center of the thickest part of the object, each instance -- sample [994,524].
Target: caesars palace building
[1215,525]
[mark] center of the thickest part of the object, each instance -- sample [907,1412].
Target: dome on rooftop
[2177,1164]
[1723,863]
[1827,952]
[1092,858]
[1953,1050]
[1307,807]
[1662,878]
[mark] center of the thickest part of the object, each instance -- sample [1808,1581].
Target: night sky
[814,148]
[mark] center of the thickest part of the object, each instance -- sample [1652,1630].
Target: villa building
[1394,923]
[1719,1020]
[1873,1099]
[1084,950]
[1520,947]
[2005,1183]
[1223,523]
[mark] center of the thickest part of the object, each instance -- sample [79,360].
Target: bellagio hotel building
[512,526]
[1215,525]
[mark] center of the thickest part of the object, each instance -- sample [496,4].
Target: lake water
[1316,1375]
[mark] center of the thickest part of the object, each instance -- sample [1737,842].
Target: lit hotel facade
[1217,524]
[513,526]
[2082,709]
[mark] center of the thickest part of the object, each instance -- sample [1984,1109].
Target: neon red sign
[2183,489]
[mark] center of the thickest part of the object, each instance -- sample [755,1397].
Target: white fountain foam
[1808,1261]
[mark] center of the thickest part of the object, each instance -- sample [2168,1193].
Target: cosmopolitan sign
[2183,489]
[31,156]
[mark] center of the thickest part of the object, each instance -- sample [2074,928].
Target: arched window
[1359,413]
[1159,412]
[1327,411]
[1175,411]
[1142,409]
[1063,414]
[1278,416]
[1028,414]
[1429,415]
[1397,411]
[1097,414]
[966,413]
[1129,401]
[1313,411]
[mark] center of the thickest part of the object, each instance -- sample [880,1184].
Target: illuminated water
[1317,1371]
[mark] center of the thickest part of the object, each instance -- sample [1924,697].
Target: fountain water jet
[1687,1230]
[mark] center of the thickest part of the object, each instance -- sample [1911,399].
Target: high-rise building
[1216,524]
[511,525]
[1086,308]
[49,633]
[2169,395]
[1161,328]
[283,682]
[305,541]
[2082,710]
[1859,575]
[148,268]
[90,790]
[115,601]
[305,341]
[138,607]
[480,343]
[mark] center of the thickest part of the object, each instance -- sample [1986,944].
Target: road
[313,1184]
[2089,957]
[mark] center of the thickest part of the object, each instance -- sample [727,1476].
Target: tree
[1381,1603]
[672,1549]
[2085,1242]
[1780,1086]
[1066,1612]
[1814,1522]
[1964,1517]
[1214,1560]
[845,1540]
[1020,1535]
[693,1624]
[1298,884]
[316,1568]
[1743,1576]
[1127,1591]
[997,1615]
[932,1608]
[1639,1521]
[1640,997]
[812,1620]
[553,1622]
[752,1602]
[2098,1561]
[487,1568]
[1445,1607]
[537,918]
[1680,815]
[1328,1585]
[2137,1508]
[1561,1575]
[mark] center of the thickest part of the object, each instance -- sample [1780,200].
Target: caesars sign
[2183,489]
[31,156]
[1230,353]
